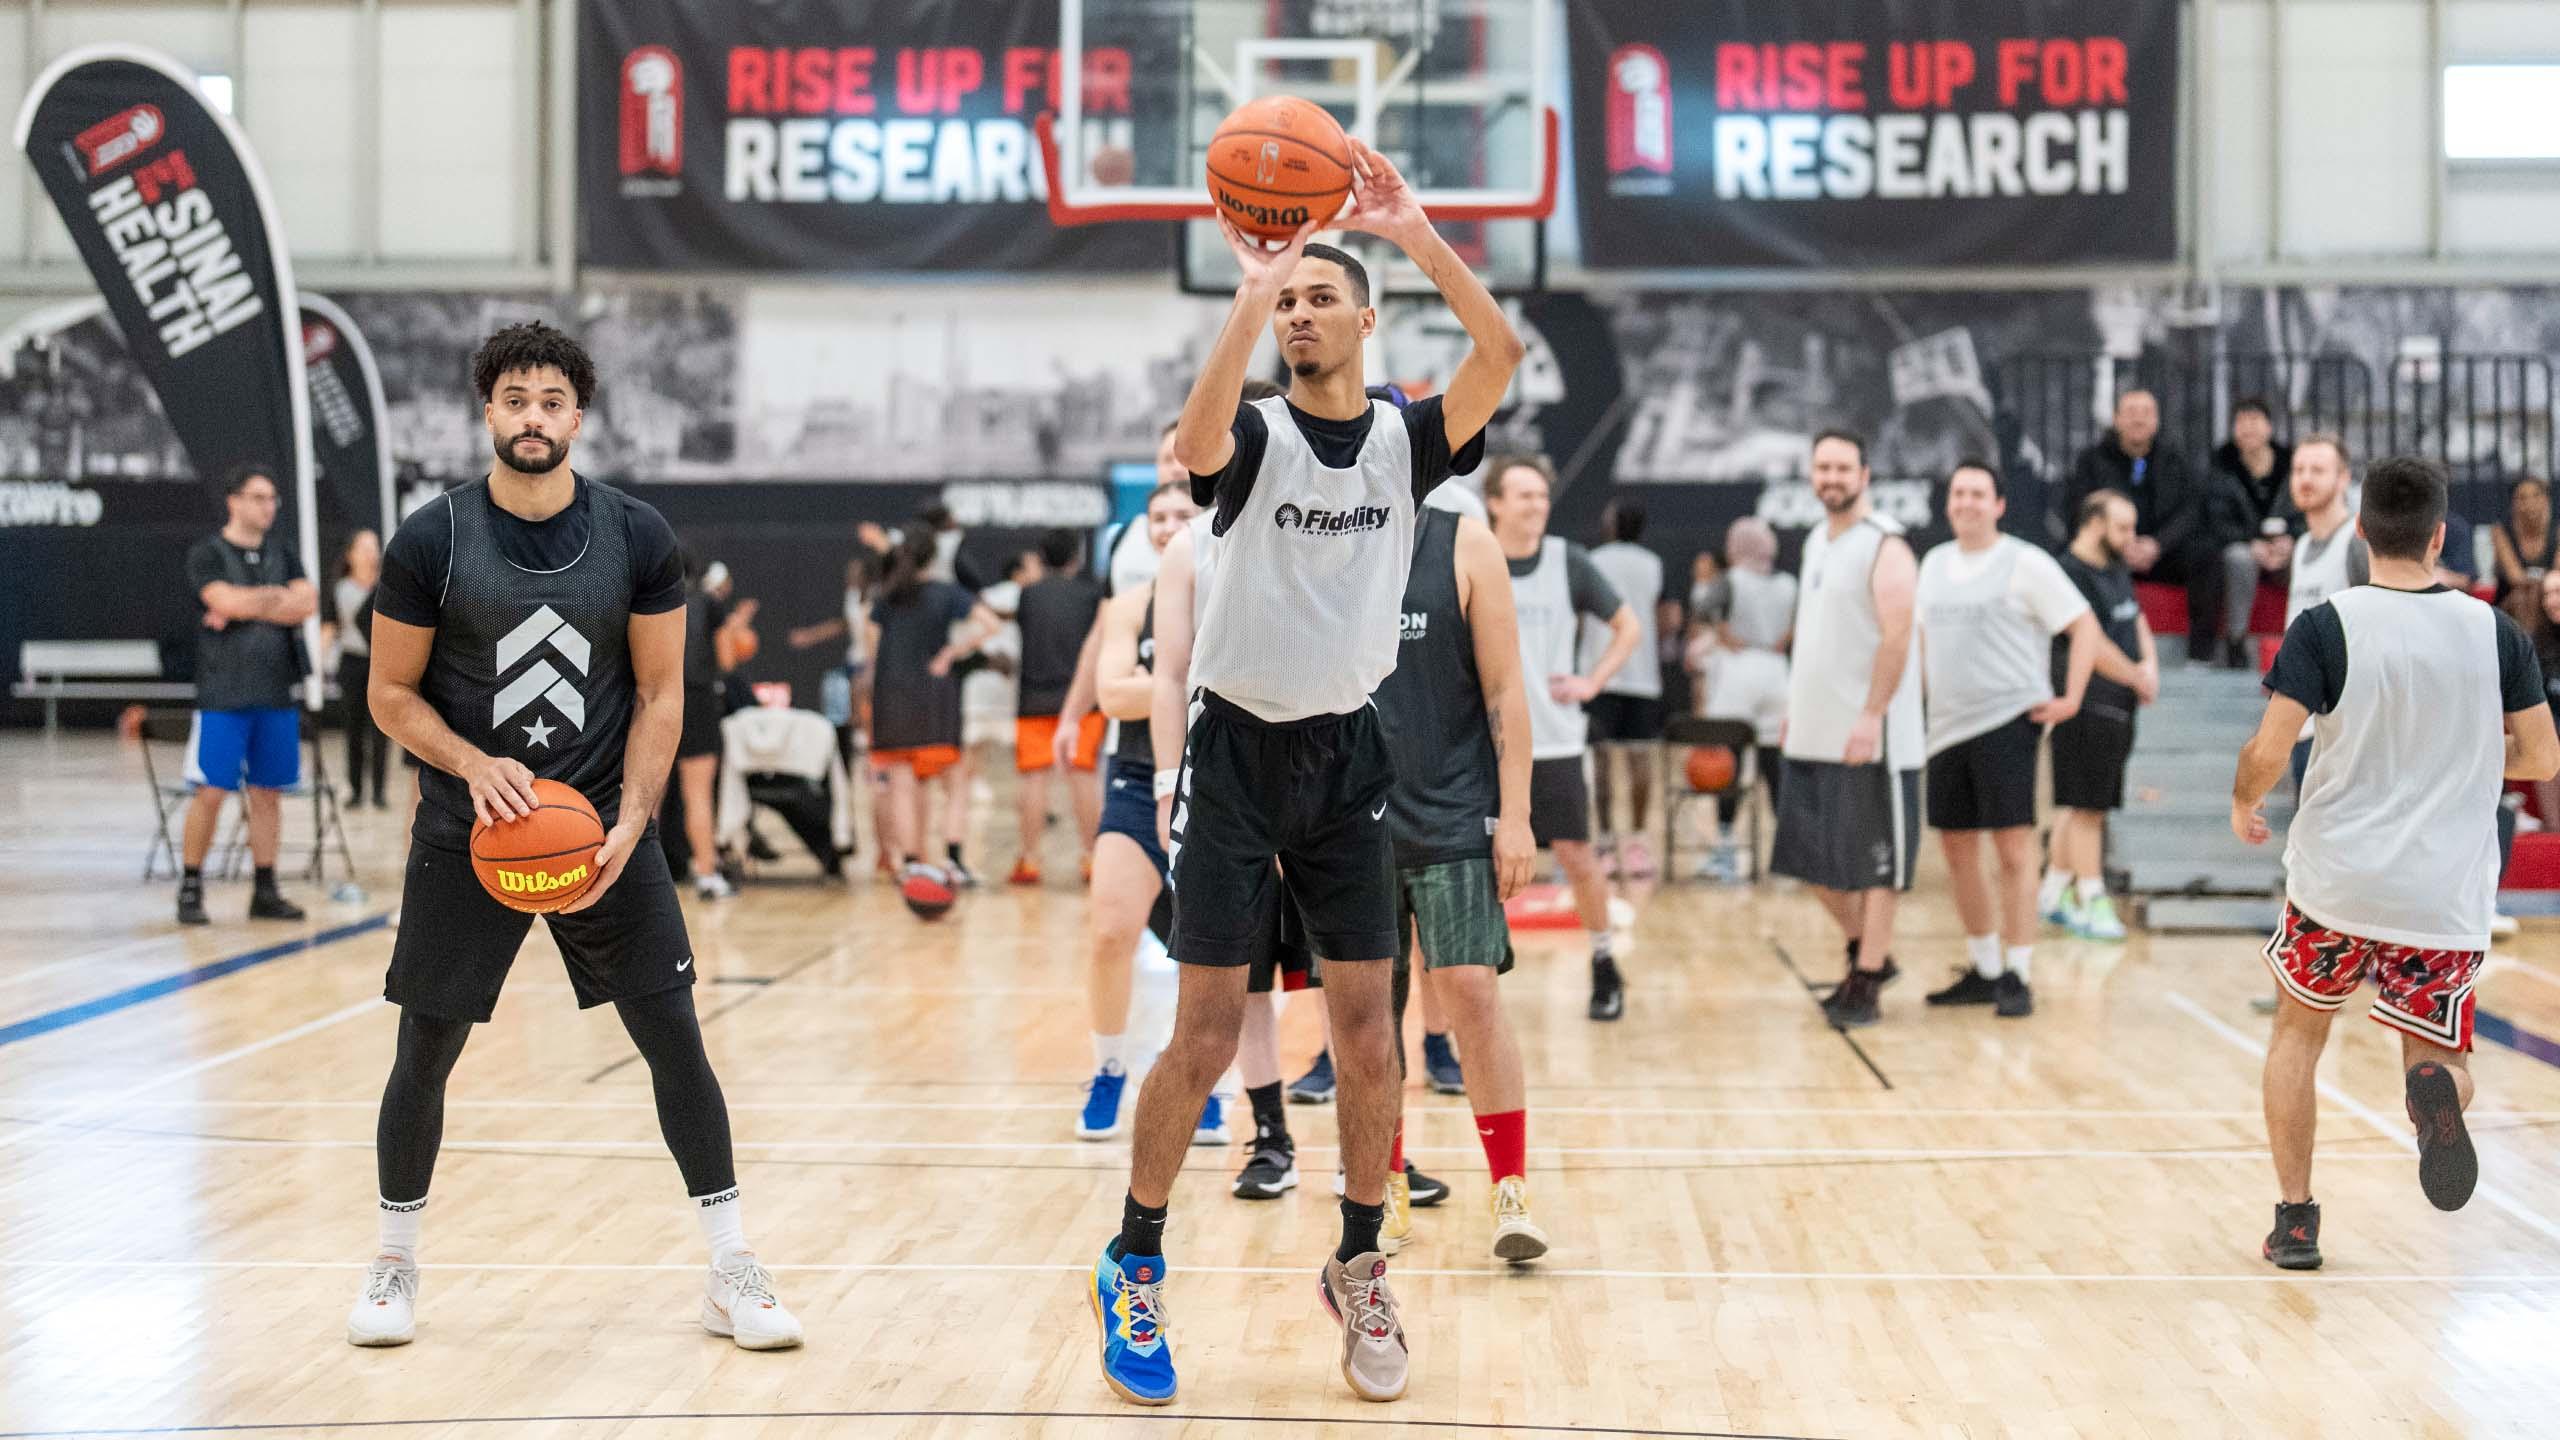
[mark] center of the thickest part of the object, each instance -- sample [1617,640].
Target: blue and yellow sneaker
[1128,1305]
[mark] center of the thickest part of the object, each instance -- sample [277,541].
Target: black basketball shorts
[2090,751]
[1559,801]
[1987,782]
[456,944]
[1847,827]
[1310,793]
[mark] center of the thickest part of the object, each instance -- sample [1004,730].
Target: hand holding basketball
[501,790]
[1382,204]
[1264,267]
[610,858]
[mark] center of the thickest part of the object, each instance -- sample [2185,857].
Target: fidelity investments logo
[1330,522]
[542,680]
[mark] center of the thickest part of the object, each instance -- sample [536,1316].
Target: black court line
[1845,1037]
[756,988]
[1161,1417]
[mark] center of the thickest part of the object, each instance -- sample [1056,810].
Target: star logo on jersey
[541,680]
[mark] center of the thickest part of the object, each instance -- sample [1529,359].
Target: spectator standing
[2172,543]
[1626,716]
[247,661]
[368,750]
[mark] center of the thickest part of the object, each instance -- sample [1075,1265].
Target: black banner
[169,212]
[1837,133]
[349,447]
[835,135]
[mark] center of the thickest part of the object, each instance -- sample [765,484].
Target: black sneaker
[1970,989]
[191,906]
[2295,1242]
[2013,999]
[1886,976]
[1608,989]
[1425,1191]
[1272,1171]
[1316,1086]
[2448,1168]
[1853,1005]
[1440,1064]
[271,905]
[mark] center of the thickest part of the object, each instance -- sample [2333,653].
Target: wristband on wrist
[1166,782]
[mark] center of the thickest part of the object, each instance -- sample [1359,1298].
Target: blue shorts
[1129,808]
[263,745]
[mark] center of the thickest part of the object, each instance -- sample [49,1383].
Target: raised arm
[1385,206]
[1204,438]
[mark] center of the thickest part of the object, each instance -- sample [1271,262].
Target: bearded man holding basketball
[531,625]
[1315,495]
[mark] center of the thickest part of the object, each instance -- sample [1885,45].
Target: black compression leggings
[691,1113]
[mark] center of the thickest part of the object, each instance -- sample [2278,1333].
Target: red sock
[1395,1157]
[1506,1143]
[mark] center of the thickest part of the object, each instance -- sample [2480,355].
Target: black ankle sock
[1270,1111]
[1359,1229]
[1141,1229]
[954,852]
[1853,952]
[266,879]
[191,878]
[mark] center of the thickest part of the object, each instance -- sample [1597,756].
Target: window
[2502,112]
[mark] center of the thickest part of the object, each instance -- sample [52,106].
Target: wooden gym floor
[1957,1226]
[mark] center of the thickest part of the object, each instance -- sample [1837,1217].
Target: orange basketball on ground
[1277,163]
[545,860]
[1711,768]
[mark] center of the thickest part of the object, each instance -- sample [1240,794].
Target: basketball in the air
[1277,163]
[544,860]
[927,892]
[1711,768]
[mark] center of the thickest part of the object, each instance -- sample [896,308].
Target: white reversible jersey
[1302,609]
[1837,632]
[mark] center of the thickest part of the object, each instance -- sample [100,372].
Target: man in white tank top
[2330,556]
[1314,496]
[1554,589]
[2423,701]
[1627,714]
[1991,607]
[1849,810]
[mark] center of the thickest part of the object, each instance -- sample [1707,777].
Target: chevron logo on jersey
[542,680]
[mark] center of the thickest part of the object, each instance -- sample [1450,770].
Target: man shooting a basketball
[1315,494]
[531,625]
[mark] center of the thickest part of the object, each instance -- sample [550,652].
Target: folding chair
[1734,735]
[170,793]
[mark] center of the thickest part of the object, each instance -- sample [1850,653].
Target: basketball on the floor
[1711,768]
[544,860]
[927,892]
[1277,163]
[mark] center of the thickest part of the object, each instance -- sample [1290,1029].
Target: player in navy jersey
[530,625]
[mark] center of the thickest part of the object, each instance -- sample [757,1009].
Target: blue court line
[2500,1030]
[71,1015]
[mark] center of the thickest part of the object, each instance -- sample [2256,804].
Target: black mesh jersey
[1448,789]
[532,663]
[1137,737]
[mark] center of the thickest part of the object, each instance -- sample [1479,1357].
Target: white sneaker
[1516,1238]
[714,886]
[739,1302]
[2502,924]
[387,1312]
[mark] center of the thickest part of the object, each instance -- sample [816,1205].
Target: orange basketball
[1277,163]
[545,860]
[1711,768]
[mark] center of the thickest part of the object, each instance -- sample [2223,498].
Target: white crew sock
[1111,1054]
[724,1225]
[1984,952]
[401,1220]
[2056,880]
[1600,946]
[2092,887]
[2019,955]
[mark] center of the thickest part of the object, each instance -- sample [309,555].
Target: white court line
[77,1113]
[1845,1277]
[1444,1111]
[2508,964]
[125,1140]
[2395,1132]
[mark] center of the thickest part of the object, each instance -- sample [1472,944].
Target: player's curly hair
[532,345]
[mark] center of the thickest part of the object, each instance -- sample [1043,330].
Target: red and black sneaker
[2295,1242]
[2448,1168]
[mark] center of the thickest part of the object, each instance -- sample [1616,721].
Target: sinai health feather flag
[173,216]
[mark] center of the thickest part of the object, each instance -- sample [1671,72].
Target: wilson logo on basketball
[1268,217]
[526,882]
